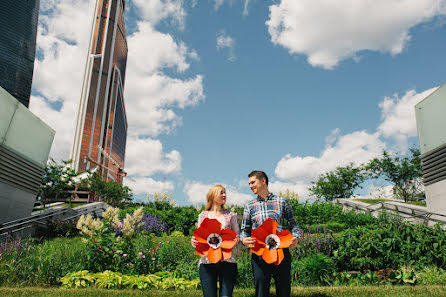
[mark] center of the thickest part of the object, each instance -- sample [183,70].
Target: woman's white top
[228,221]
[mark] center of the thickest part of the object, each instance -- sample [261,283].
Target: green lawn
[392,291]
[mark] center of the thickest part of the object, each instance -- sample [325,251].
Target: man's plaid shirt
[259,210]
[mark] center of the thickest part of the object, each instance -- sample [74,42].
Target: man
[267,205]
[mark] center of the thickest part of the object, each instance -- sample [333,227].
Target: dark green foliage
[382,246]
[57,228]
[179,218]
[57,179]
[339,183]
[313,270]
[402,172]
[323,213]
[42,264]
[112,192]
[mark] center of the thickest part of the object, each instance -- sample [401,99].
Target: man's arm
[246,224]
[245,233]
[289,215]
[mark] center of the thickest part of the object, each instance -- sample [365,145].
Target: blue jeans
[281,273]
[223,271]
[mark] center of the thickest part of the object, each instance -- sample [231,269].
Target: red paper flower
[213,242]
[269,244]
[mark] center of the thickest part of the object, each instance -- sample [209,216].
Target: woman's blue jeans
[224,272]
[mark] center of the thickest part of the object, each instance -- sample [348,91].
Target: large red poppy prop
[213,242]
[269,243]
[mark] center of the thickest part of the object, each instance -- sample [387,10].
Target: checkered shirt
[259,210]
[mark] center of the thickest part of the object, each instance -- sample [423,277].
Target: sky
[217,88]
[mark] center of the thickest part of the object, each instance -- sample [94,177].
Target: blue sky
[217,88]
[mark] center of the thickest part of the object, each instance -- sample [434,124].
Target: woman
[225,271]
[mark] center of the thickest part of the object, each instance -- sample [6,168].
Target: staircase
[25,227]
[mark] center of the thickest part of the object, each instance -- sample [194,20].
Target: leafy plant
[115,280]
[403,172]
[339,183]
[316,269]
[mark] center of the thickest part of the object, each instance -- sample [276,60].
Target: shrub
[42,264]
[382,246]
[316,269]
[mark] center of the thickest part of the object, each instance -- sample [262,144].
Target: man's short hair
[259,175]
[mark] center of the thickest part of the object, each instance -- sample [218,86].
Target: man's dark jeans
[225,272]
[281,273]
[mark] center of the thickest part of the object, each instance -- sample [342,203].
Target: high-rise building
[18,23]
[101,129]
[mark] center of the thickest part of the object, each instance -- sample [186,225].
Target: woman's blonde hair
[213,192]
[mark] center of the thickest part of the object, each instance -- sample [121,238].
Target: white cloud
[58,69]
[245,8]
[147,185]
[398,116]
[196,193]
[154,11]
[151,96]
[300,188]
[357,147]
[224,41]
[144,157]
[331,31]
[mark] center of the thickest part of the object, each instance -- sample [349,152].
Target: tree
[403,172]
[112,192]
[57,179]
[339,183]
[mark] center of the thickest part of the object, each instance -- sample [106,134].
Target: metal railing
[406,211]
[27,226]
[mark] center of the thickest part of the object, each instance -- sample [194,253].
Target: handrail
[389,205]
[29,222]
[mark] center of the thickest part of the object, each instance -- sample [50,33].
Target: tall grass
[41,264]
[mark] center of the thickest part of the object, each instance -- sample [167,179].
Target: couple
[265,205]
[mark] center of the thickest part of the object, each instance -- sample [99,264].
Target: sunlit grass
[392,291]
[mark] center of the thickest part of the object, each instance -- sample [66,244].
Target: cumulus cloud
[147,185]
[278,186]
[357,147]
[397,122]
[224,41]
[151,95]
[398,116]
[196,193]
[328,32]
[62,47]
[146,157]
[154,11]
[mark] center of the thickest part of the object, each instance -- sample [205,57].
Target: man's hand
[249,242]
[294,242]
[193,241]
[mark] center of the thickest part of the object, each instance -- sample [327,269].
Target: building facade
[101,128]
[18,23]
[431,123]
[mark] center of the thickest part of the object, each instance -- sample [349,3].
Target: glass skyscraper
[18,29]
[101,129]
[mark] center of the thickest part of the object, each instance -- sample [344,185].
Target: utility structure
[431,125]
[101,127]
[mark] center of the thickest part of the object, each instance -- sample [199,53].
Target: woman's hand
[236,240]
[193,241]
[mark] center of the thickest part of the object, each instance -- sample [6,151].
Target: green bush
[313,270]
[375,247]
[431,275]
[42,264]
[180,218]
